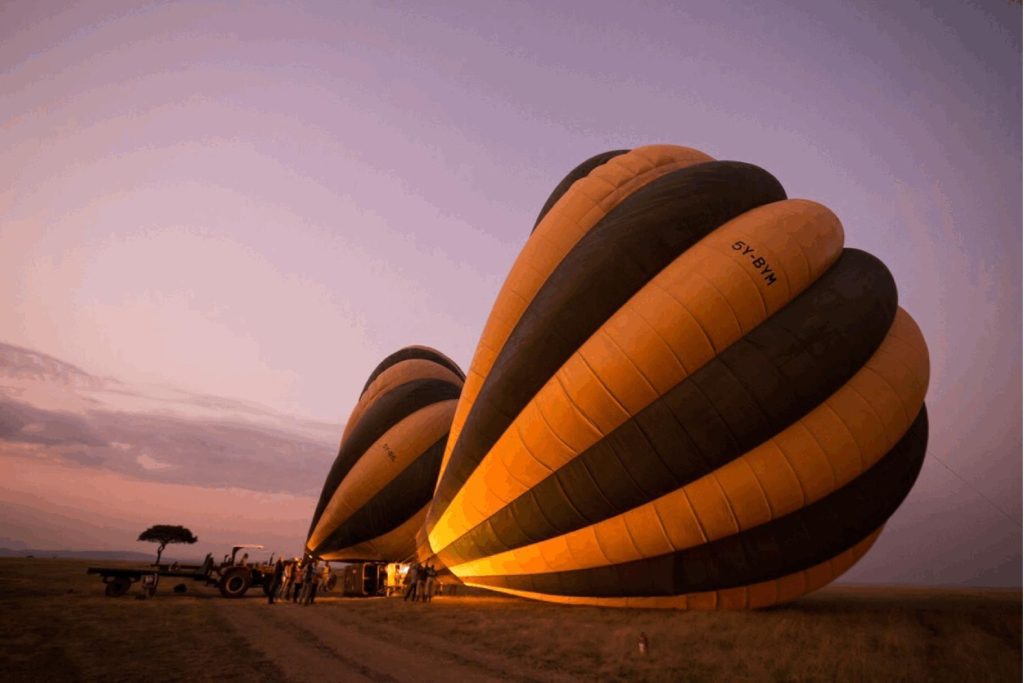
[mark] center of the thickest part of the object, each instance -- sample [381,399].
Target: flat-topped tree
[167,533]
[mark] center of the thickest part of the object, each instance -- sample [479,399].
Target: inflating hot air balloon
[688,394]
[376,494]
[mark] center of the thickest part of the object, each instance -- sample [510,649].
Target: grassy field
[55,624]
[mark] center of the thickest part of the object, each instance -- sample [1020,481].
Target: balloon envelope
[375,497]
[687,394]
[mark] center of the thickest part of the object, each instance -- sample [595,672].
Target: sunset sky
[259,202]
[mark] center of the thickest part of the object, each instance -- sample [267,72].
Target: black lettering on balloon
[760,263]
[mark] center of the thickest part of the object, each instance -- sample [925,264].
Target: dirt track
[326,641]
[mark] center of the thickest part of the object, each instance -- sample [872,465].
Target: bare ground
[55,624]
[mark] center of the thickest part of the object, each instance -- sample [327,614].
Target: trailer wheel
[117,587]
[235,582]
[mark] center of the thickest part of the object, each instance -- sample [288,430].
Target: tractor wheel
[117,587]
[234,582]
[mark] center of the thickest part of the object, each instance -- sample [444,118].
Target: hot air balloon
[688,394]
[376,493]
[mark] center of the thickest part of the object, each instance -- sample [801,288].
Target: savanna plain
[56,625]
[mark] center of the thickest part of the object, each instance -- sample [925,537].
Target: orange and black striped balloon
[376,494]
[688,394]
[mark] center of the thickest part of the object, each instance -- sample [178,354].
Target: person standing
[286,580]
[275,582]
[325,577]
[421,584]
[308,574]
[300,569]
[428,593]
[314,584]
[411,578]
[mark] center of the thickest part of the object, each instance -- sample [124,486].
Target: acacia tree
[164,534]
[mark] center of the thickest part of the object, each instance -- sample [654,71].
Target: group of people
[420,582]
[298,580]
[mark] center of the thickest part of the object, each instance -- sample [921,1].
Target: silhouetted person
[315,588]
[309,577]
[421,584]
[297,588]
[428,592]
[275,582]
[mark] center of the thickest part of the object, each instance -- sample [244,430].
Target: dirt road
[327,642]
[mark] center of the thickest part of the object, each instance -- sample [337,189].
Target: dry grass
[840,634]
[56,625]
[846,634]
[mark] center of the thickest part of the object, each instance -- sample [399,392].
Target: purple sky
[261,202]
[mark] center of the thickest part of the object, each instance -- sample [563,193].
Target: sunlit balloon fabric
[376,494]
[688,394]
